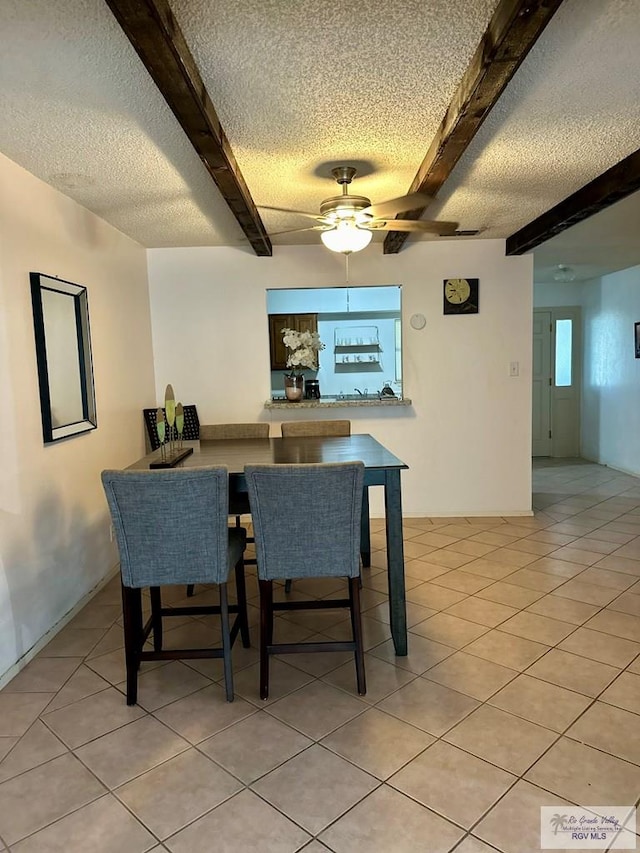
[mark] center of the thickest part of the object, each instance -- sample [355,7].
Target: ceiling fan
[347,222]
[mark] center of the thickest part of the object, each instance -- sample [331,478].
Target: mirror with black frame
[63,350]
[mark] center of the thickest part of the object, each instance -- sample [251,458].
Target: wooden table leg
[365,530]
[395,560]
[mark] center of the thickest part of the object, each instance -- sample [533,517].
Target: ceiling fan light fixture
[346,221]
[564,273]
[346,237]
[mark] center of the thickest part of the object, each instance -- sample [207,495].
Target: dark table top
[235,454]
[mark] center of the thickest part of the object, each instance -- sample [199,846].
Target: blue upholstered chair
[194,430]
[329,496]
[171,528]
[311,429]
[239,503]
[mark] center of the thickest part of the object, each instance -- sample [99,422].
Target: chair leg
[266,634]
[241,590]
[156,617]
[270,617]
[226,642]
[287,586]
[132,619]
[356,622]
[190,589]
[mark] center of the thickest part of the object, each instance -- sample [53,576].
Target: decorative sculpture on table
[161,432]
[170,427]
[179,422]
[170,410]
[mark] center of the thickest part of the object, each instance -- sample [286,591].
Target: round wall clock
[461,295]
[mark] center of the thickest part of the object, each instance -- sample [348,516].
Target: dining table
[381,468]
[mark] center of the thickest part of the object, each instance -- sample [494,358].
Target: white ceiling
[302,86]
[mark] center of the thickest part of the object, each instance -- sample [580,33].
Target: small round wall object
[418,321]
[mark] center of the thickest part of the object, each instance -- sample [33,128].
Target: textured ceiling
[299,86]
[302,86]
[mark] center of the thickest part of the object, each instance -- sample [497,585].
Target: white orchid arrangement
[304,347]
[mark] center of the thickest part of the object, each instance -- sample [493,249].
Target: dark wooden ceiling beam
[611,186]
[154,33]
[512,32]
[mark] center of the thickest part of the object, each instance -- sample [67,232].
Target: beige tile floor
[521,689]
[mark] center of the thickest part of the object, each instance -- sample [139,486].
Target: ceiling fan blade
[298,230]
[387,209]
[288,210]
[424,226]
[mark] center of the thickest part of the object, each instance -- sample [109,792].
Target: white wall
[467,437]
[54,529]
[557,295]
[611,408]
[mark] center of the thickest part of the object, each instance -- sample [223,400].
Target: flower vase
[293,385]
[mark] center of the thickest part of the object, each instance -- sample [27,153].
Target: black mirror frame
[51,433]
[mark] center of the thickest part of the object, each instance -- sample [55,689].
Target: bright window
[564,343]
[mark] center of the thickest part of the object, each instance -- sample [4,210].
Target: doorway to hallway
[556,382]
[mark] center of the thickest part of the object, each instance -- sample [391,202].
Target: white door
[541,432]
[565,401]
[556,382]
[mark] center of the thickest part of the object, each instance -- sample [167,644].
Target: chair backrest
[222,432]
[170,525]
[306,518]
[191,430]
[311,428]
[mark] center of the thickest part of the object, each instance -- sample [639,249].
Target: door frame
[574,313]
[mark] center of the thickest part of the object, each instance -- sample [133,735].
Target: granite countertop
[347,401]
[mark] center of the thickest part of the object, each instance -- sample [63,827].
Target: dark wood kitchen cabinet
[278,322]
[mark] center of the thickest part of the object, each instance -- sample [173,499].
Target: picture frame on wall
[637,339]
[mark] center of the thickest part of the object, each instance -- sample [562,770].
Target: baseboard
[612,467]
[27,657]
[511,513]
